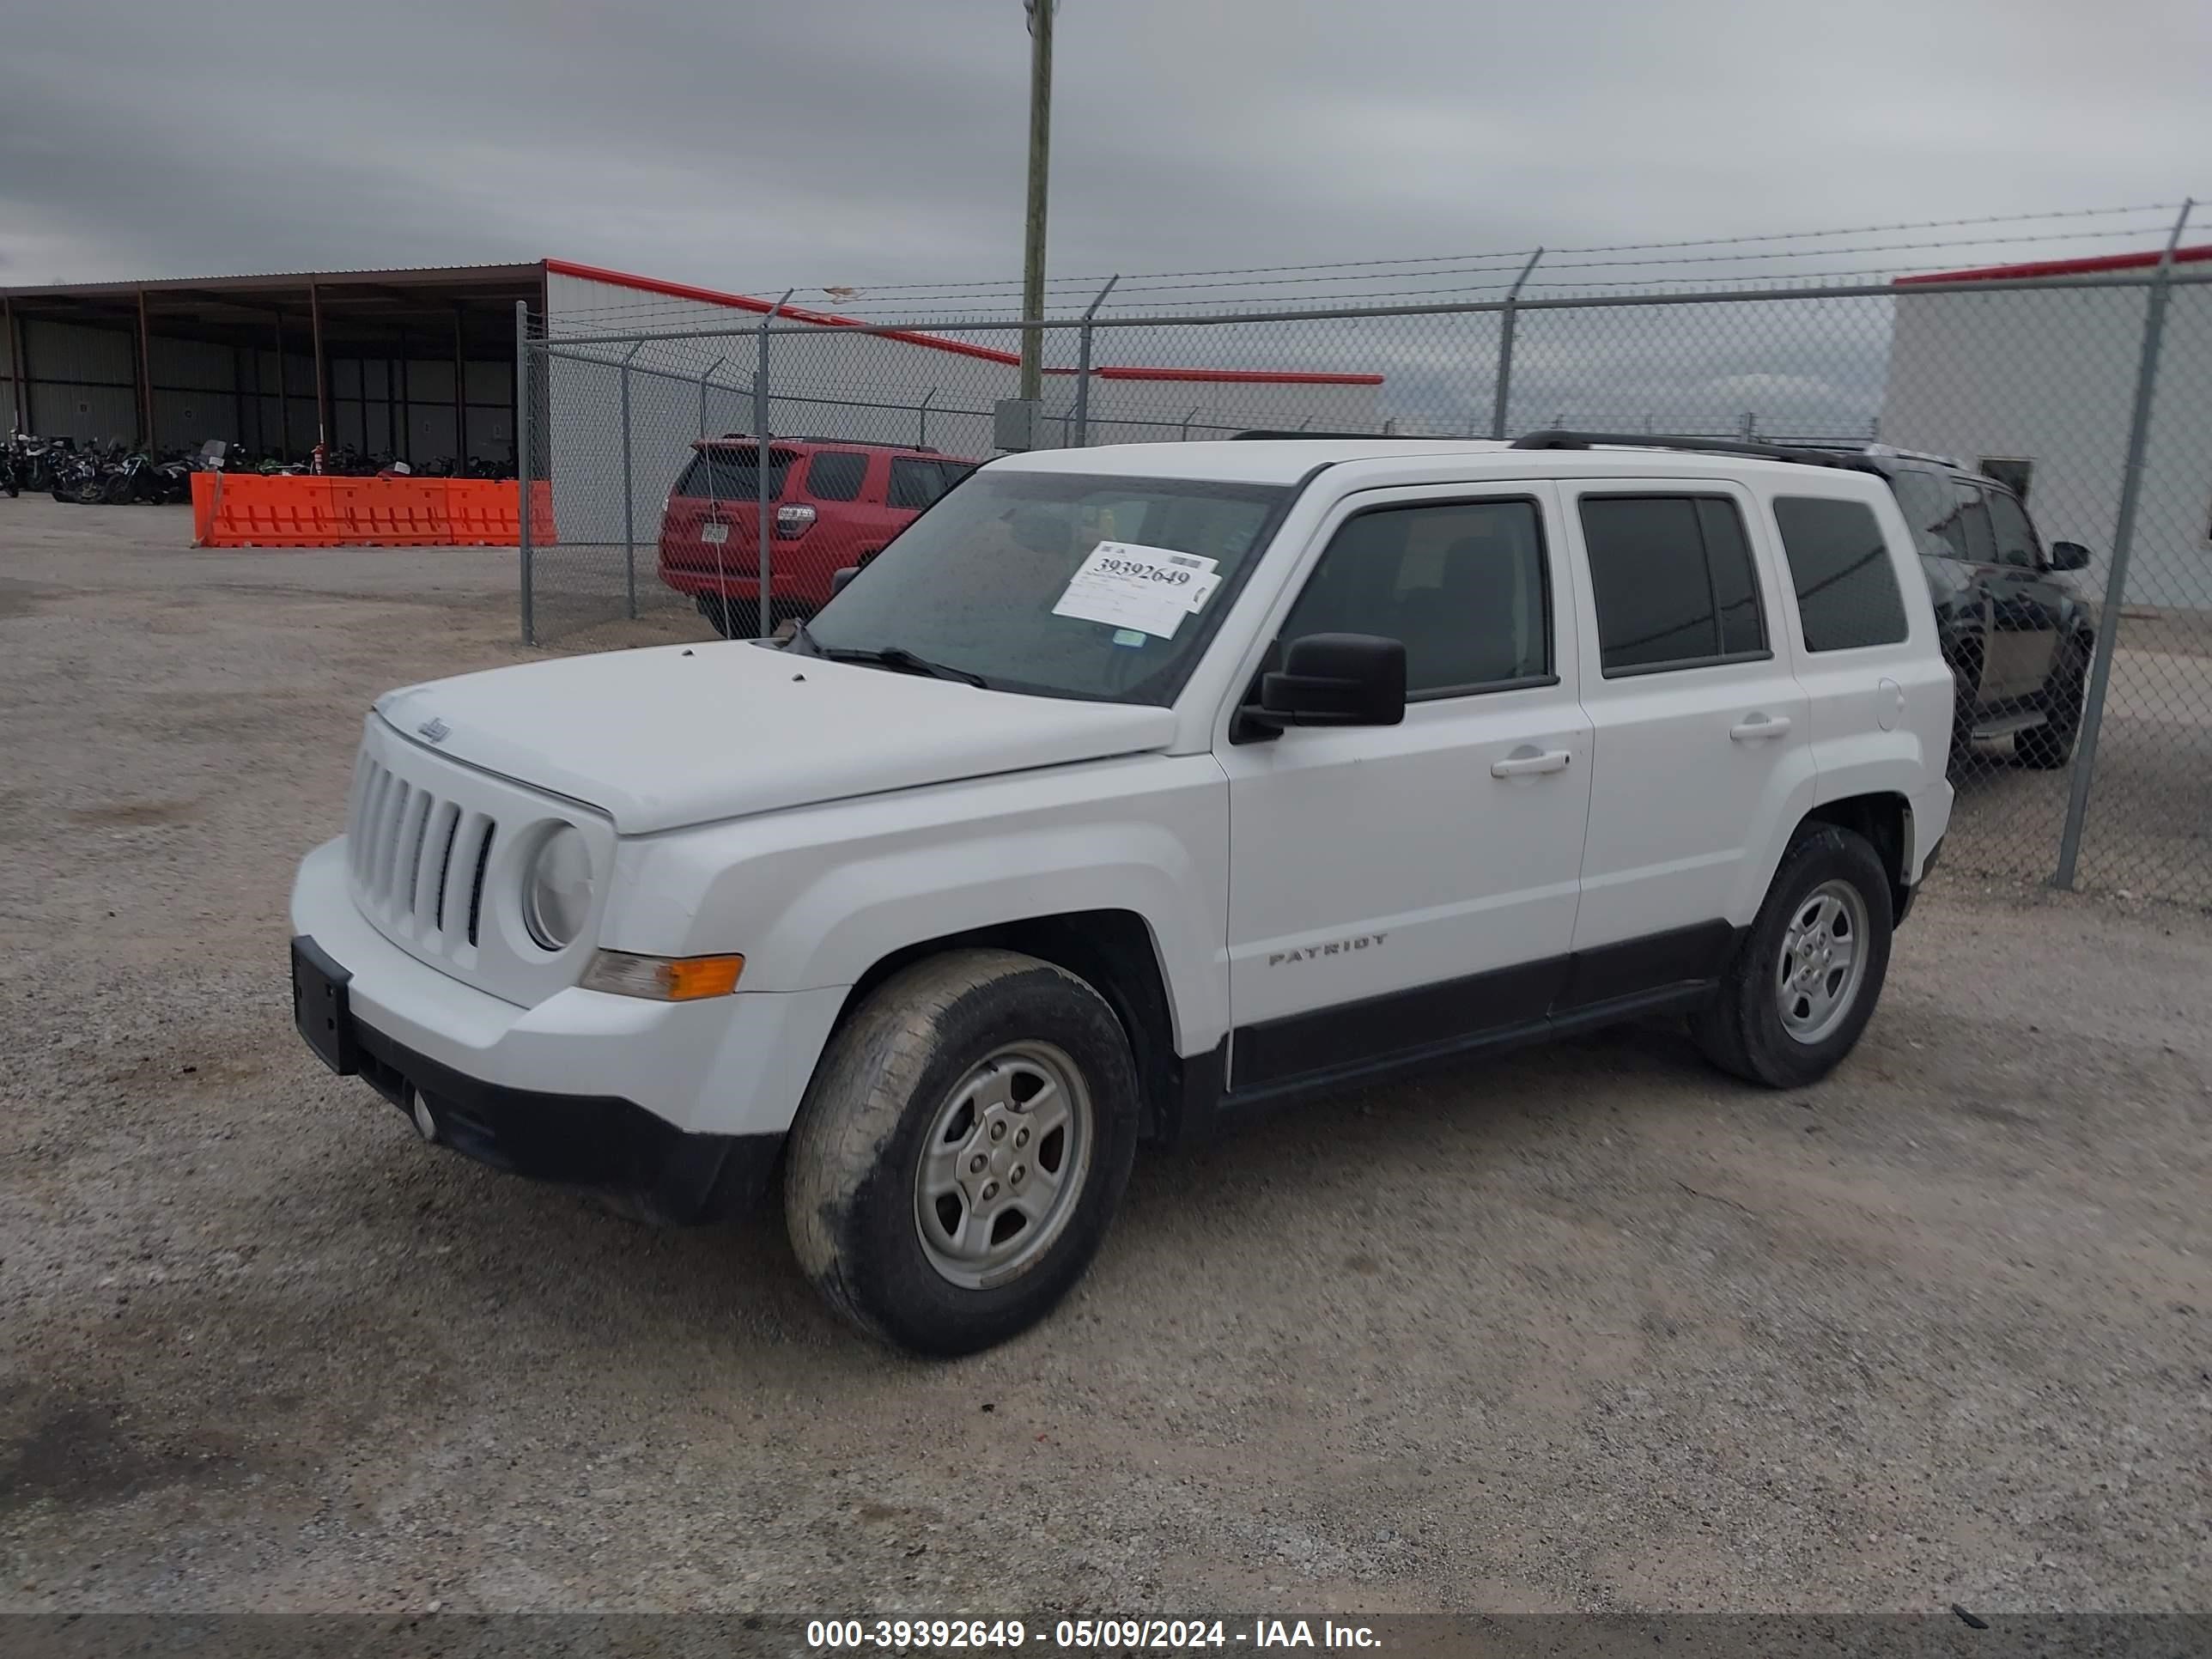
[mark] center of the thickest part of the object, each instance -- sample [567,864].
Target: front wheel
[961,1150]
[2050,745]
[1803,982]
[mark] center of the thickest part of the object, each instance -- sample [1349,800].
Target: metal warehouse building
[417,363]
[2036,386]
[420,363]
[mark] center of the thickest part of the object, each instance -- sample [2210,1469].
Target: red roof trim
[746,303]
[1233,376]
[938,342]
[2182,256]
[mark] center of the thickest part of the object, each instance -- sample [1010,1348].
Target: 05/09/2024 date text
[1081,1635]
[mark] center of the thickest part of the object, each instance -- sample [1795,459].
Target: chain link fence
[2079,632]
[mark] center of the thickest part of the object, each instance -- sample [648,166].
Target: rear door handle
[1528,759]
[1759,726]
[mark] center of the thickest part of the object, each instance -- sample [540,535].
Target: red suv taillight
[792,522]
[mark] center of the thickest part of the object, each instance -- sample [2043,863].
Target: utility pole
[1040,15]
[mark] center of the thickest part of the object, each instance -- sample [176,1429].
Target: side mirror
[1335,679]
[2068,555]
[843,579]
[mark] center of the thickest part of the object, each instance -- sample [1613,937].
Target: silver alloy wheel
[1823,961]
[1003,1165]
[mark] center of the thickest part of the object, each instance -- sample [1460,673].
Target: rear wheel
[961,1150]
[2050,745]
[1804,981]
[1965,677]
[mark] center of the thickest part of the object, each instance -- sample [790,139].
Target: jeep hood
[678,735]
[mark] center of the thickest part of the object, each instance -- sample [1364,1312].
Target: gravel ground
[1587,1327]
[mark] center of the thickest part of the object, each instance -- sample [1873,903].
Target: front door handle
[1760,727]
[1528,760]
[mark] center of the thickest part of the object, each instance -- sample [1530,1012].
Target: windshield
[1066,584]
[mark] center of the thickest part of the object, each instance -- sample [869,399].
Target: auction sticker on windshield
[1149,588]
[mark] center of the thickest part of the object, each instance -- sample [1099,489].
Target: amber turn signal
[663,979]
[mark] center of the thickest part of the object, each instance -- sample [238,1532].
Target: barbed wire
[990,300]
[978,288]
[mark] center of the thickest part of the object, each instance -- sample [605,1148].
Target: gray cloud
[879,141]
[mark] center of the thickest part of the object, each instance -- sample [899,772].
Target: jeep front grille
[418,860]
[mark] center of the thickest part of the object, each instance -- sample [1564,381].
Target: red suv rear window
[727,473]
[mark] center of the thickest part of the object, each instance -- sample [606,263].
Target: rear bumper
[603,1145]
[801,571]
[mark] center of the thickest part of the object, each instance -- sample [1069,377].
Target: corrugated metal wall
[83,383]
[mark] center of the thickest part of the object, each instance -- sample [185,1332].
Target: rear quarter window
[835,474]
[1840,565]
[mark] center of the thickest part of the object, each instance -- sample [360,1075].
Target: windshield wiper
[905,661]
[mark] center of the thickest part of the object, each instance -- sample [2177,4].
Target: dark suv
[2017,636]
[834,505]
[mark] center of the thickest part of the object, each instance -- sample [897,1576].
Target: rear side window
[1847,593]
[914,483]
[729,474]
[1673,579]
[835,474]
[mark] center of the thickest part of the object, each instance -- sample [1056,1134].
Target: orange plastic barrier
[248,509]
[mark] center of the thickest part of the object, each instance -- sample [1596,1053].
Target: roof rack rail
[805,438]
[1266,433]
[1557,439]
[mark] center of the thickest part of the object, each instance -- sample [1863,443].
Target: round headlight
[557,893]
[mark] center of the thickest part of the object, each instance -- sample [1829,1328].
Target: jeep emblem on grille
[435,729]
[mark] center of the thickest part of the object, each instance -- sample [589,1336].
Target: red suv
[834,505]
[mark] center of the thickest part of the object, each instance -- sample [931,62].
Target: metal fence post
[767,559]
[706,375]
[921,426]
[2116,579]
[524,402]
[714,497]
[1083,364]
[629,493]
[1505,322]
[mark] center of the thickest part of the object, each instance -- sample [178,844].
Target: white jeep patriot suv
[1128,791]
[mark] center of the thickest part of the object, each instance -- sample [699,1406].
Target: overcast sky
[742,144]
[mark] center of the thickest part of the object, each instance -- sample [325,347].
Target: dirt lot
[1586,1328]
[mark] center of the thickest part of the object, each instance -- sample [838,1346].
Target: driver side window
[2015,535]
[1462,583]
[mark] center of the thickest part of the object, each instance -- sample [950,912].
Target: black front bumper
[641,1163]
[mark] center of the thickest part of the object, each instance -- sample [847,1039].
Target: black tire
[1965,677]
[716,611]
[1741,1029]
[2050,745]
[851,1171]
